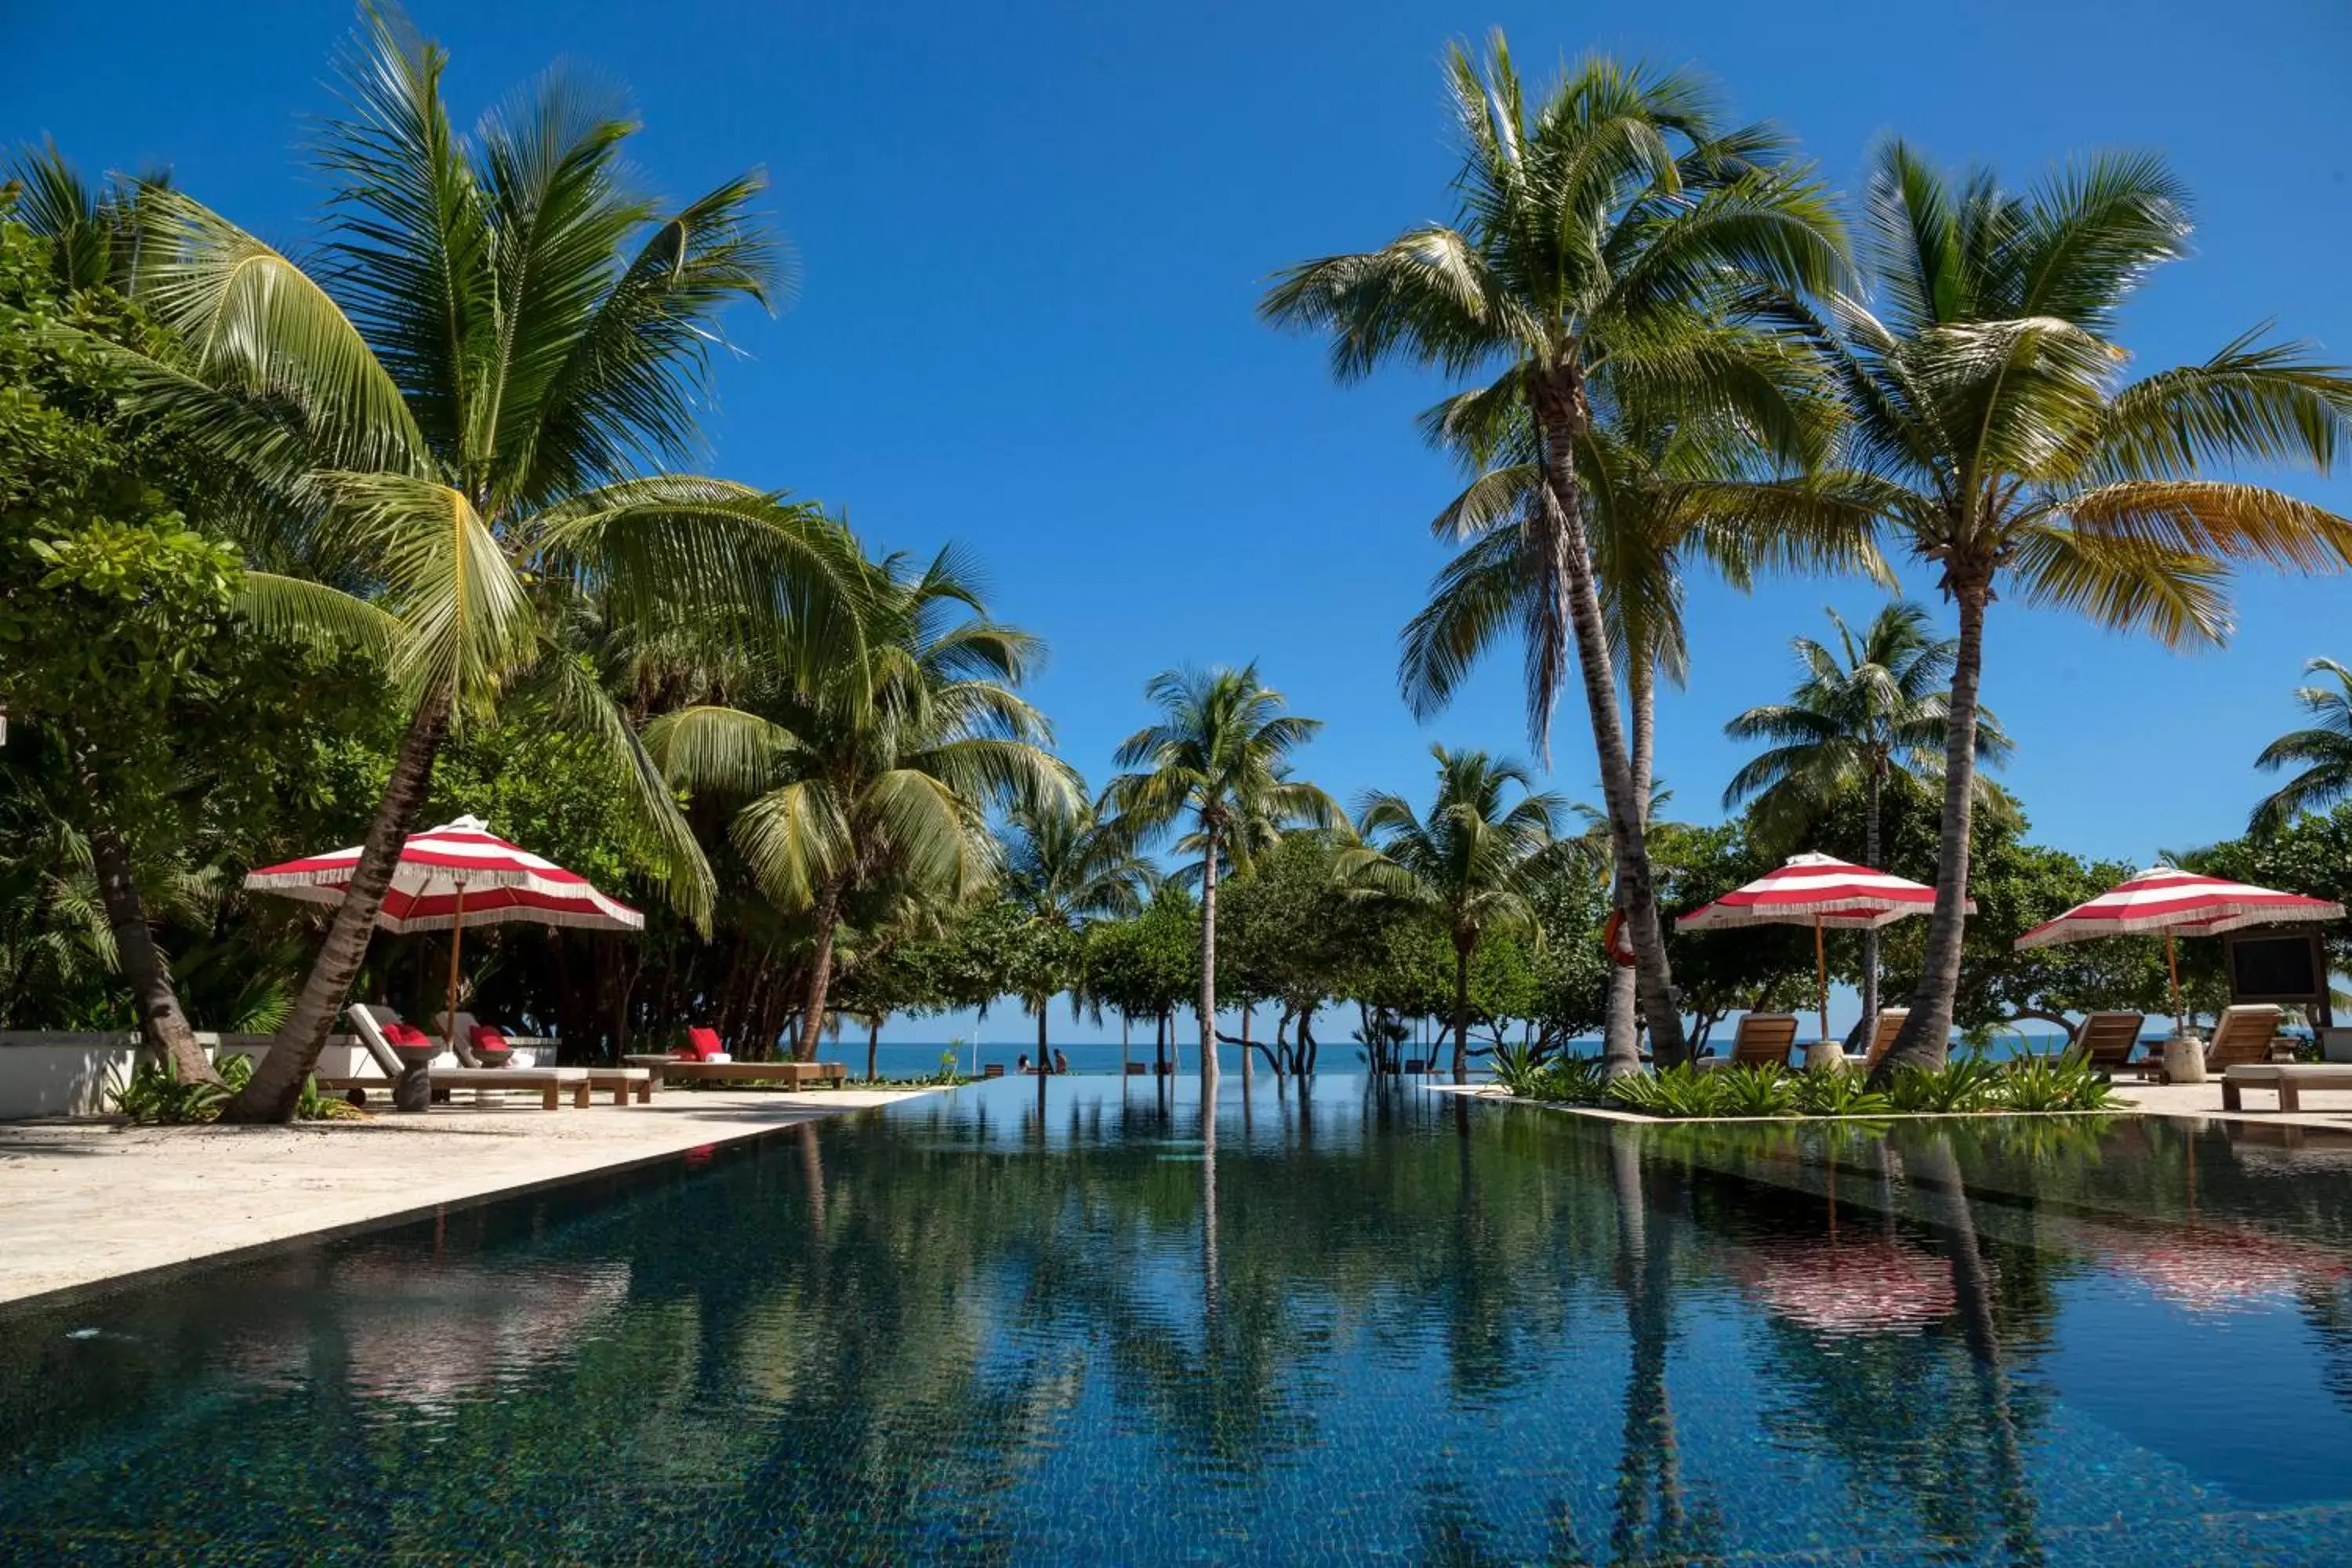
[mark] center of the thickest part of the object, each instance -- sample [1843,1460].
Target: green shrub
[1968,1083]
[1573,1081]
[156,1097]
[1518,1070]
[2053,1083]
[1759,1090]
[1680,1090]
[1838,1094]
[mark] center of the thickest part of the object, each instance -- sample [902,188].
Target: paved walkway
[88,1201]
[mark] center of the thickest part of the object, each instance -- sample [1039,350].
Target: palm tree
[1067,864]
[1470,866]
[1218,761]
[461,422]
[1997,436]
[1870,717]
[1661,488]
[1604,252]
[882,767]
[2325,751]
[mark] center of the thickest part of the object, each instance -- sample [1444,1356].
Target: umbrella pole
[2172,966]
[456,940]
[1821,976]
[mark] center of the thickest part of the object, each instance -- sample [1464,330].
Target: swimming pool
[1374,1323]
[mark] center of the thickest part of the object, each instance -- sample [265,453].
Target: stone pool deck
[89,1204]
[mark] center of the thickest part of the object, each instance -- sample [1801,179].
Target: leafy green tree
[1468,869]
[1148,966]
[1867,718]
[1608,247]
[1218,764]
[882,766]
[1068,865]
[2324,751]
[1997,436]
[467,416]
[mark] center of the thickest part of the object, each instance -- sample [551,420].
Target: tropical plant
[1683,1089]
[881,765]
[1968,1083]
[458,415]
[1470,868]
[1995,435]
[1866,718]
[2324,752]
[1218,764]
[1606,250]
[2061,1082]
[1837,1094]
[1758,1088]
[1066,864]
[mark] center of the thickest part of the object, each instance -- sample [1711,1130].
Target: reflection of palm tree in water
[1936,1177]
[1653,1520]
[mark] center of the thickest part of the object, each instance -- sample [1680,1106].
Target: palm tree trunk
[161,1024]
[873,1044]
[1620,1033]
[1462,1009]
[1209,977]
[277,1083]
[1564,417]
[1870,934]
[1043,1061]
[1926,1033]
[828,916]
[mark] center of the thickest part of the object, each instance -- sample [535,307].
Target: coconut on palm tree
[1066,863]
[1611,240]
[2324,751]
[879,768]
[1469,866]
[1998,436]
[456,432]
[1866,718]
[1217,767]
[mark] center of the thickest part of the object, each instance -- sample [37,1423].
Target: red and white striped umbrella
[1817,890]
[2167,901]
[2164,898]
[457,873]
[1823,892]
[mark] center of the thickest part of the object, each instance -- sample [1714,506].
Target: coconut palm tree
[881,768]
[460,423]
[1606,247]
[1470,866]
[1218,764]
[1067,864]
[2323,750]
[1997,434]
[1869,717]
[1661,488]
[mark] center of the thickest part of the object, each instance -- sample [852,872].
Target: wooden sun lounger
[676,1069]
[1882,1038]
[553,1083]
[2289,1078]
[1761,1038]
[2107,1041]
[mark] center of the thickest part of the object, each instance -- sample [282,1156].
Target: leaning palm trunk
[277,1083]
[161,1024]
[1580,606]
[1208,980]
[828,916]
[1926,1033]
[1462,1009]
[1870,934]
[1621,1030]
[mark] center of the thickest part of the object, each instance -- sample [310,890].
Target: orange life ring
[1619,955]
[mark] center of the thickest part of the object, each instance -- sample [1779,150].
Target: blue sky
[1032,237]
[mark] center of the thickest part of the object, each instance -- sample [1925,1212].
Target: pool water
[1360,1323]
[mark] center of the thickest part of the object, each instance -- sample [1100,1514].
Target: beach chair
[377,1027]
[1761,1038]
[1882,1038]
[2107,1041]
[2243,1037]
[992,1069]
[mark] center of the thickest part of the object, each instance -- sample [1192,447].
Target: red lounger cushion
[705,1044]
[407,1036]
[486,1038]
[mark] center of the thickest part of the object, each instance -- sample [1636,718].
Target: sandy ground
[84,1203]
